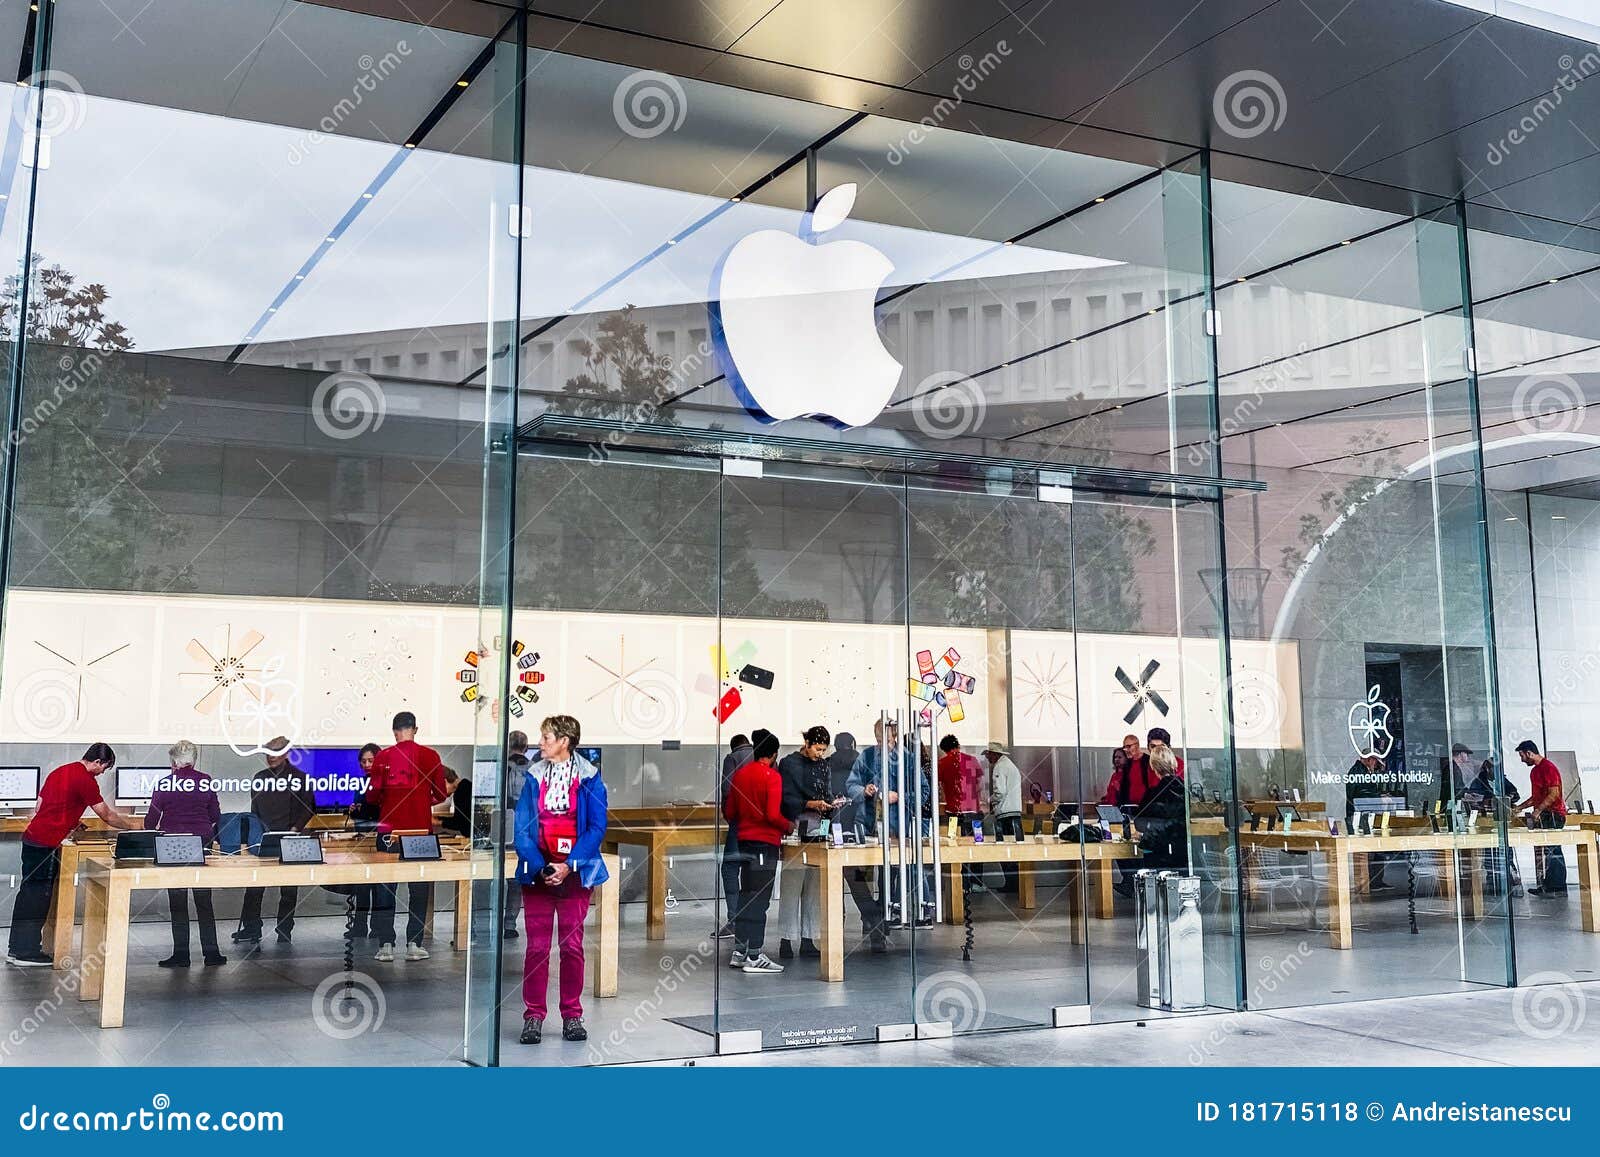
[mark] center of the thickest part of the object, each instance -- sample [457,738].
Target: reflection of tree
[84,457]
[638,534]
[1026,564]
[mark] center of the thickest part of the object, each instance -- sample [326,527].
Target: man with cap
[1463,768]
[1549,811]
[1005,802]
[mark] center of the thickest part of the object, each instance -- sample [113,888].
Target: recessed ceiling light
[462,83]
[366,196]
[1511,518]
[411,144]
[1099,200]
[330,240]
[1558,517]
[1240,279]
[1344,243]
[735,198]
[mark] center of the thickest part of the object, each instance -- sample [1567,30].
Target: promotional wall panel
[152,669]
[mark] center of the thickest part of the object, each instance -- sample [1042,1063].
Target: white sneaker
[760,963]
[385,953]
[738,959]
[416,952]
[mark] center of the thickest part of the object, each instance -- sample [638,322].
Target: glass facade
[363,368]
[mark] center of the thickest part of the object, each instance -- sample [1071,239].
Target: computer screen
[483,773]
[1379,803]
[592,754]
[137,784]
[19,786]
[335,774]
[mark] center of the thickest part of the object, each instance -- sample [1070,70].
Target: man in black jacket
[281,797]
[806,801]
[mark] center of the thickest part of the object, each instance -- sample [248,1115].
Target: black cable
[349,942]
[966,911]
[1411,890]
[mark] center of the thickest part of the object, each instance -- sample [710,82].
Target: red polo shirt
[67,791]
[407,780]
[1544,777]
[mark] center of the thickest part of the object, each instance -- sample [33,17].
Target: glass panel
[616,593]
[251,503]
[813,634]
[1341,356]
[991,606]
[507,664]
[1538,346]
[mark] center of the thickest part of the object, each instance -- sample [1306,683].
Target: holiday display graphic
[82,671]
[1045,685]
[1142,691]
[268,710]
[940,686]
[226,673]
[479,669]
[1369,726]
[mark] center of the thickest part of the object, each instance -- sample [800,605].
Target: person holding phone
[807,800]
[560,822]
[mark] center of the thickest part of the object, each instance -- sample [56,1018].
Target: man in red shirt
[1549,811]
[754,810]
[406,781]
[67,791]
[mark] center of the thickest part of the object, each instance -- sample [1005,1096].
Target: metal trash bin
[1181,943]
[1147,937]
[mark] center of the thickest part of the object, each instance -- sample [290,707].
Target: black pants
[730,875]
[758,872]
[383,912]
[1554,875]
[178,901]
[363,913]
[250,911]
[39,868]
[1009,827]
[859,881]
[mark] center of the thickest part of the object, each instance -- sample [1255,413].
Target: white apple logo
[794,322]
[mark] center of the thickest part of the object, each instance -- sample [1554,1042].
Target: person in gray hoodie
[1005,802]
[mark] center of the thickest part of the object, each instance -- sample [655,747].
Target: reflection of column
[997,663]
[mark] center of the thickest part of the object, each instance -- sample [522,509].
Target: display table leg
[830,966]
[955,912]
[115,983]
[63,907]
[91,969]
[1077,881]
[1105,903]
[1339,873]
[656,883]
[463,929]
[1026,896]
[1589,884]
[607,898]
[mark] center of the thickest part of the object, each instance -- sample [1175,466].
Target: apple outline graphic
[1375,723]
[794,321]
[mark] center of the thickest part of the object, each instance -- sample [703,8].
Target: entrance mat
[780,1028]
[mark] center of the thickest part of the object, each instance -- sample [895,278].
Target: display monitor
[19,786]
[335,774]
[1379,803]
[483,776]
[135,785]
[592,754]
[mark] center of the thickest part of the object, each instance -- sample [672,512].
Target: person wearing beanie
[754,810]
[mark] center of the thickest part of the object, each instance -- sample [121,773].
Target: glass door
[993,688]
[812,649]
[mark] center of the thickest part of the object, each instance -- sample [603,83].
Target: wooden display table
[1343,852]
[658,833]
[109,887]
[831,862]
[16,825]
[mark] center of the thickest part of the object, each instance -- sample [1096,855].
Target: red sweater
[1141,781]
[754,804]
[407,780]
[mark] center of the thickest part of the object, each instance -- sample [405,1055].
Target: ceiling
[1420,94]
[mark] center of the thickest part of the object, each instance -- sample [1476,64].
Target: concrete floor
[283,1006]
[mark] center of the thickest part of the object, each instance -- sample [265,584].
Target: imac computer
[19,788]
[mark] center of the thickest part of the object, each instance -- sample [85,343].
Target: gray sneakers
[761,963]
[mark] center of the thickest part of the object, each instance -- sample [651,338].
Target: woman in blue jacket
[561,819]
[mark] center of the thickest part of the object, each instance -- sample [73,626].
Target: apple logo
[794,321]
[1369,727]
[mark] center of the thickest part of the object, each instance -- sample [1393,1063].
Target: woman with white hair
[185,804]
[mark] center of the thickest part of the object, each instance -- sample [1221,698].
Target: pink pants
[566,905]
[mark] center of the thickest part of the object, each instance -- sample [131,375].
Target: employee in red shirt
[754,810]
[1549,811]
[67,791]
[407,780]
